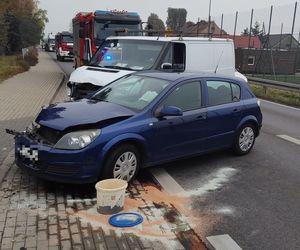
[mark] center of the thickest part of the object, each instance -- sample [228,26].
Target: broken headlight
[78,139]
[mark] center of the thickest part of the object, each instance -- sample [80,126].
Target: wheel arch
[249,120]
[134,139]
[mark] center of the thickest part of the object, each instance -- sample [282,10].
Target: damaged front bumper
[46,162]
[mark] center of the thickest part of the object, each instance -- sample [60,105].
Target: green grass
[281,96]
[281,78]
[10,66]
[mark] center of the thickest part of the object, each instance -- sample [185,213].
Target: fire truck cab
[90,30]
[64,45]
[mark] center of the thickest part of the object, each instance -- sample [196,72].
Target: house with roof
[200,28]
[280,41]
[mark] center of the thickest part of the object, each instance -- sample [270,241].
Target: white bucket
[110,195]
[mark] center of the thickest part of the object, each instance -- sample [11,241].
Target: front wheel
[122,163]
[244,140]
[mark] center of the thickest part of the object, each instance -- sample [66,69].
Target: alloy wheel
[125,166]
[246,139]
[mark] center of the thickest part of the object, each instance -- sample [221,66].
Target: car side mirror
[168,111]
[166,66]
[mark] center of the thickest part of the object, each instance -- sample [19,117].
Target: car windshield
[133,92]
[67,39]
[127,54]
[51,41]
[104,29]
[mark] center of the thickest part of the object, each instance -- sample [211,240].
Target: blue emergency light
[108,57]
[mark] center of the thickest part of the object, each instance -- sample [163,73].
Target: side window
[187,97]
[175,57]
[236,92]
[220,92]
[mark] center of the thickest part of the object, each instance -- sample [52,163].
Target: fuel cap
[125,220]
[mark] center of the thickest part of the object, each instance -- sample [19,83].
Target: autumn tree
[23,23]
[155,23]
[176,18]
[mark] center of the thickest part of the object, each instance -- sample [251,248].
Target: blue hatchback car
[140,120]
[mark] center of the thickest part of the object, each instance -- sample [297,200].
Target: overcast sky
[61,12]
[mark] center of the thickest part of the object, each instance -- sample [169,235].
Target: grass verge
[276,95]
[11,65]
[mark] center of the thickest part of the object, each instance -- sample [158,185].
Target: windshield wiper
[118,67]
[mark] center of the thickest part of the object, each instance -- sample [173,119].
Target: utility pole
[280,36]
[293,26]
[209,18]
[222,25]
[235,23]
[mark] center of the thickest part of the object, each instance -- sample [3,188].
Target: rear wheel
[122,163]
[244,140]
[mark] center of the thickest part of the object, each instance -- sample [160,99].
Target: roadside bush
[22,63]
[32,56]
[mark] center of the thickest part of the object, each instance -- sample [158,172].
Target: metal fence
[278,55]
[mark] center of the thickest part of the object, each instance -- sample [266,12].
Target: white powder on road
[213,182]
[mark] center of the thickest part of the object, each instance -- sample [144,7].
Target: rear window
[220,92]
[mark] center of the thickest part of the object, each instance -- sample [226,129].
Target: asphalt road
[66,65]
[254,198]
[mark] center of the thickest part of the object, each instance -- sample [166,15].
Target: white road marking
[166,181]
[281,105]
[290,139]
[223,242]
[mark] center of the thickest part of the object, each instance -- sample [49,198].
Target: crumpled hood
[97,76]
[84,112]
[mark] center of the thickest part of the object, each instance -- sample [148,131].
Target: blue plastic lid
[125,220]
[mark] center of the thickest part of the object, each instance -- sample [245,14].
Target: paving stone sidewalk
[22,96]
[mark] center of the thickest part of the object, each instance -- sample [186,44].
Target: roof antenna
[218,62]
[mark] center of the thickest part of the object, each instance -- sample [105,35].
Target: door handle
[201,117]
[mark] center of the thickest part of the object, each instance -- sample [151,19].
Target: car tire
[117,163]
[244,140]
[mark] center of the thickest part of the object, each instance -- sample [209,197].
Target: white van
[119,56]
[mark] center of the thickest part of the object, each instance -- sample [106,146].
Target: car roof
[174,76]
[169,39]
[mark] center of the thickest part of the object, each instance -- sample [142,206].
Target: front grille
[49,135]
[84,90]
[62,170]
[36,165]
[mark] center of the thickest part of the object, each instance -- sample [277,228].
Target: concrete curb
[64,77]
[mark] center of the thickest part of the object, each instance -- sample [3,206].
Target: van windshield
[67,39]
[127,54]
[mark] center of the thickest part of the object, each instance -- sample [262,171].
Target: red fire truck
[90,29]
[64,45]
